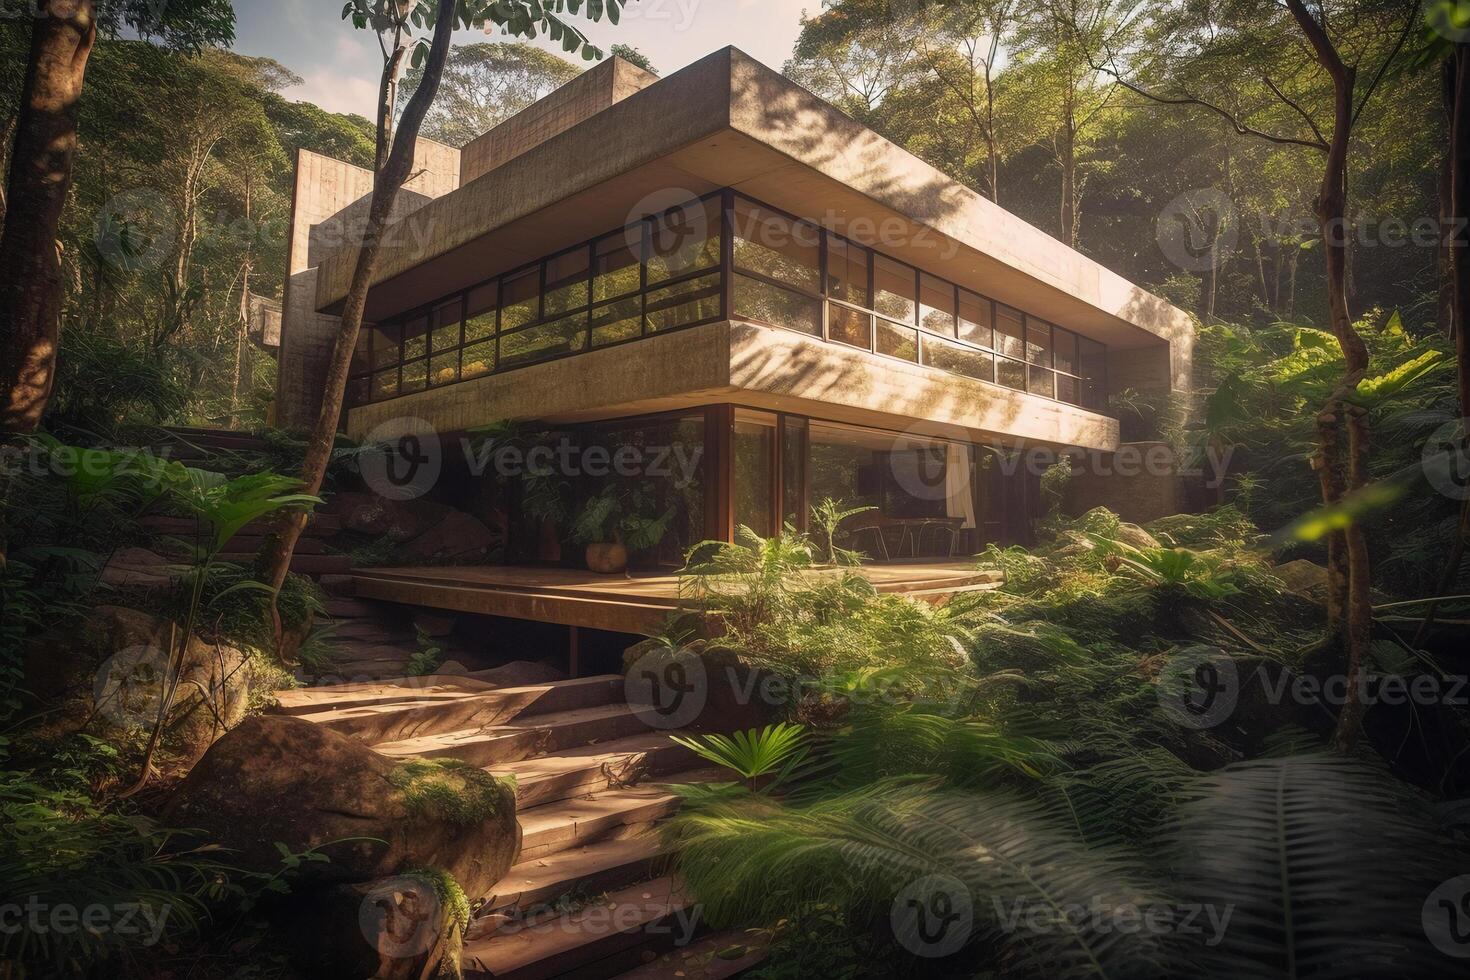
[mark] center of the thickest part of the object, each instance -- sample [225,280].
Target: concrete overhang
[755,366]
[728,120]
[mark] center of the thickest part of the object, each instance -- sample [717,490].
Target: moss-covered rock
[279,780]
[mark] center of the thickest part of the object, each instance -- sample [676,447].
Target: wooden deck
[623,603]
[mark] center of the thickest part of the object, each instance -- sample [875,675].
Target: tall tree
[1342,51]
[395,22]
[485,84]
[41,159]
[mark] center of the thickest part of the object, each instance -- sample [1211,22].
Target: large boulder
[397,520]
[107,673]
[277,779]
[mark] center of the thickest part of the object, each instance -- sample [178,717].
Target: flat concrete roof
[728,120]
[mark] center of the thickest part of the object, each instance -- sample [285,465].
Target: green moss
[452,790]
[455,905]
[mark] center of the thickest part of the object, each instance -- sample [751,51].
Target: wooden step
[554,827]
[348,609]
[522,739]
[586,870]
[586,942]
[575,772]
[398,720]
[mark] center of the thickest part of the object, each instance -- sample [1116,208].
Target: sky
[340,66]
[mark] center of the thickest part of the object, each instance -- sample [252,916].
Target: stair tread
[537,950]
[482,733]
[542,879]
[411,690]
[593,813]
[582,757]
[703,959]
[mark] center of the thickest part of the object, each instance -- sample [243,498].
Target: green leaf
[1372,392]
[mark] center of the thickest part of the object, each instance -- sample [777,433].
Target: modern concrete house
[722,260]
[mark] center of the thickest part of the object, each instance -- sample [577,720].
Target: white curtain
[959,502]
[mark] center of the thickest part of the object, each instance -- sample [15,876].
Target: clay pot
[607,559]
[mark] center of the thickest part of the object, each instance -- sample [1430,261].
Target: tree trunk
[1354,620]
[386,184]
[40,177]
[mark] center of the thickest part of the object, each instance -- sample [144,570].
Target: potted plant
[615,522]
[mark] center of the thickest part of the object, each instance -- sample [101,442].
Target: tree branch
[1409,23]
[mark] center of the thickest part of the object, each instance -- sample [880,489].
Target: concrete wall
[578,100]
[1139,483]
[328,210]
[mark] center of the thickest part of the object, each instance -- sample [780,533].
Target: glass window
[975,320]
[849,326]
[759,300]
[566,283]
[385,384]
[547,340]
[361,361]
[1064,349]
[445,334]
[847,271]
[478,359]
[898,341]
[777,247]
[754,469]
[960,360]
[416,338]
[1010,373]
[1043,382]
[480,318]
[520,299]
[683,240]
[684,303]
[358,391]
[1069,390]
[1038,341]
[936,305]
[1091,357]
[793,471]
[444,368]
[619,320]
[893,289]
[617,264]
[415,376]
[1010,332]
[386,338]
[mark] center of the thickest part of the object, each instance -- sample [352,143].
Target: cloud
[336,93]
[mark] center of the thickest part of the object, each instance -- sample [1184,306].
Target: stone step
[396,721]
[717,956]
[587,870]
[320,525]
[325,697]
[517,740]
[300,563]
[554,827]
[347,609]
[597,940]
[588,768]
